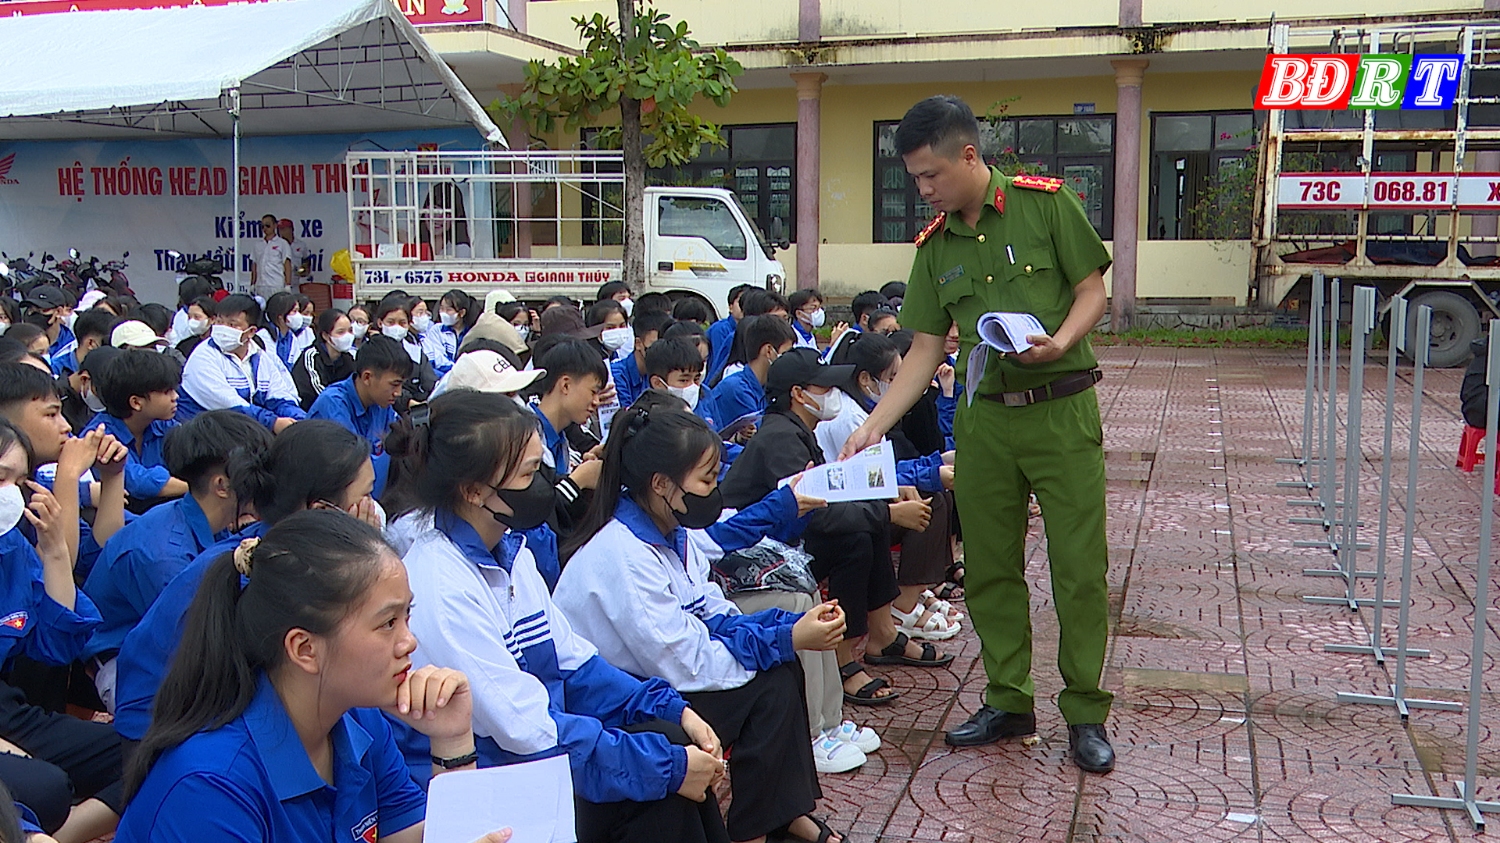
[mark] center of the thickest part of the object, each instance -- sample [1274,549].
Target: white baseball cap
[134,334]
[487,371]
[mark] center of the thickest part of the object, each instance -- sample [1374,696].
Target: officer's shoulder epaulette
[1047,183]
[937,222]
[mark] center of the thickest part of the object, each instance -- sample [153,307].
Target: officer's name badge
[951,274]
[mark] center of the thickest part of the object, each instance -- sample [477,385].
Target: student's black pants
[70,759]
[670,820]
[859,572]
[763,724]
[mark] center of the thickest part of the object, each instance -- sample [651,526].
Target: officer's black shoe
[1089,748]
[990,724]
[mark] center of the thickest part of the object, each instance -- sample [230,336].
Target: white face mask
[341,342]
[629,305]
[826,407]
[227,338]
[92,400]
[816,318]
[11,506]
[297,321]
[687,393]
[395,332]
[421,323]
[70,319]
[881,388]
[197,327]
[617,338]
[359,329]
[523,331]
[449,318]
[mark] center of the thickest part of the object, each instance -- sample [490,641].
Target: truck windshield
[706,218]
[760,236]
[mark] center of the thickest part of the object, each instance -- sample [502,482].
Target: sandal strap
[867,690]
[897,647]
[929,652]
[850,670]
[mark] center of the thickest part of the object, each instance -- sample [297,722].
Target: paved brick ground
[1225,720]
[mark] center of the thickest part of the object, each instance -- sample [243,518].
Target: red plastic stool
[1469,454]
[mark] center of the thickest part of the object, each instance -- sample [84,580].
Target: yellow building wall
[1172,11]
[713,22]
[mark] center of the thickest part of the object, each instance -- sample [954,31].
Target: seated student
[190,290]
[949,388]
[615,336]
[882,320]
[80,390]
[567,395]
[363,401]
[861,307]
[457,313]
[94,329]
[754,302]
[927,554]
[200,316]
[359,322]
[616,291]
[629,372]
[229,371]
[34,338]
[284,328]
[692,309]
[328,360]
[894,292]
[50,308]
[49,621]
[652,302]
[394,318]
[740,398]
[28,400]
[850,542]
[538,686]
[139,560]
[139,391]
[269,724]
[314,465]
[637,587]
[721,334]
[807,316]
[675,366]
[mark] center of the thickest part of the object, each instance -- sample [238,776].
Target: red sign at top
[419,12]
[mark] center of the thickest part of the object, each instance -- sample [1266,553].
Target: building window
[759,167]
[1079,150]
[1201,162]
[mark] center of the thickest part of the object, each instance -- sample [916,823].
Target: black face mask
[703,511]
[530,506]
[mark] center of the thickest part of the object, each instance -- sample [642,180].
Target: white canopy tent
[268,68]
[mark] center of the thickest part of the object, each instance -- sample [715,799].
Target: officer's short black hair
[135,372]
[945,123]
[652,321]
[95,322]
[572,357]
[381,354]
[198,449]
[675,355]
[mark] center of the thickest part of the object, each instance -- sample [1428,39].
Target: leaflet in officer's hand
[869,475]
[1004,332]
[534,800]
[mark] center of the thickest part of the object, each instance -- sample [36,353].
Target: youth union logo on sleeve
[15,620]
[368,830]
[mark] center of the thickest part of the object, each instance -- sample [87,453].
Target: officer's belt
[1060,387]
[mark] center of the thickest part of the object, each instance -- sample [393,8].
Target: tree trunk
[635,171]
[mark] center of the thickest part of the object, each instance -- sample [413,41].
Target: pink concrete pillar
[1128,76]
[1130,13]
[516,9]
[809,118]
[520,137]
[810,21]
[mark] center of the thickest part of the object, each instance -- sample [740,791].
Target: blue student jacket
[145,469]
[62,355]
[555,442]
[738,395]
[147,650]
[947,408]
[251,780]
[31,622]
[630,381]
[138,562]
[720,342]
[340,403]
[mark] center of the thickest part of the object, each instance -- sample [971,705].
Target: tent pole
[234,179]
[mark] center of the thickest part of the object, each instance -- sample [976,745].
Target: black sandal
[896,654]
[824,832]
[956,580]
[945,591]
[866,694]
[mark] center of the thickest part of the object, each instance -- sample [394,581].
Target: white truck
[541,224]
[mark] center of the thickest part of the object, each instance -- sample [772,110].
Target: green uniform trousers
[1054,448]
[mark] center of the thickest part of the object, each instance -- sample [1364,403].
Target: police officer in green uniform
[1029,422]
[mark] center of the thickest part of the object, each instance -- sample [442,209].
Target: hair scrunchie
[244,556]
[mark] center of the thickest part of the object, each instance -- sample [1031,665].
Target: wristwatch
[454,763]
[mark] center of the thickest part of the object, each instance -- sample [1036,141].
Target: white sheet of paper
[534,800]
[1008,331]
[868,475]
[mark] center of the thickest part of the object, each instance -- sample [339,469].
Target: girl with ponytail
[539,688]
[638,586]
[294,645]
[312,465]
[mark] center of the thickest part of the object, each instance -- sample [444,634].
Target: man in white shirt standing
[299,254]
[271,270]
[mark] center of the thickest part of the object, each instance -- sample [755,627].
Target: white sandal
[936,628]
[933,604]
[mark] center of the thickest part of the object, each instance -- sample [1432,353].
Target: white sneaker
[861,736]
[831,755]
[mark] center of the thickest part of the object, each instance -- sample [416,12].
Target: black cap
[803,367]
[46,297]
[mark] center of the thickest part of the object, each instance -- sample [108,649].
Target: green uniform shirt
[1026,259]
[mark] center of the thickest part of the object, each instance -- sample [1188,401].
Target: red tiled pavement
[1225,720]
